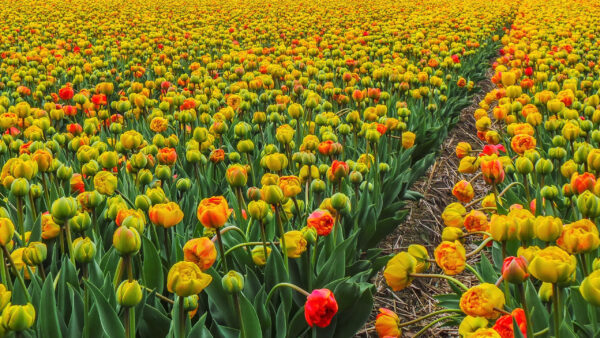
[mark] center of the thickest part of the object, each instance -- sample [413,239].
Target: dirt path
[424,226]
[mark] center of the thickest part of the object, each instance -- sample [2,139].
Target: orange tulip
[493,172]
[463,191]
[165,215]
[386,324]
[522,142]
[213,212]
[200,251]
[167,156]
[451,257]
[482,300]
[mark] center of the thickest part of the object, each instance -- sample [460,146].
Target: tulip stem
[125,198]
[451,279]
[46,192]
[526,185]
[241,245]
[222,250]
[42,271]
[594,320]
[508,187]
[20,217]
[427,316]
[487,209]
[158,295]
[69,242]
[496,197]
[542,332]
[240,201]
[19,276]
[282,237]
[263,236]
[86,303]
[3,272]
[229,228]
[131,324]
[556,303]
[502,311]
[426,327]
[584,267]
[289,285]
[238,309]
[297,211]
[182,316]
[129,263]
[118,273]
[525,309]
[473,202]
[306,206]
[32,201]
[472,269]
[167,242]
[475,177]
[308,267]
[480,247]
[477,233]
[155,238]
[314,254]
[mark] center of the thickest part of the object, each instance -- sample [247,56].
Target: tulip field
[231,168]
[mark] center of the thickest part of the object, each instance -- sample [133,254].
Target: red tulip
[514,269]
[320,308]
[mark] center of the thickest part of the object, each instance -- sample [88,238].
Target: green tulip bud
[18,317]
[19,187]
[544,166]
[84,250]
[126,241]
[80,222]
[588,204]
[233,282]
[129,294]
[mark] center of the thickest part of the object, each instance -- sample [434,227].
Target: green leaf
[298,324]
[154,323]
[36,231]
[516,330]
[356,312]
[48,318]
[280,323]
[538,313]
[77,312]
[264,315]
[111,325]
[580,309]
[152,267]
[219,303]
[335,266]
[174,325]
[486,270]
[275,273]
[200,330]
[566,329]
[226,331]
[249,318]
[448,301]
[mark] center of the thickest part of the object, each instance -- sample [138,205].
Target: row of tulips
[536,267]
[205,169]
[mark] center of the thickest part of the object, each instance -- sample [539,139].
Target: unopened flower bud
[514,269]
[129,294]
[233,282]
